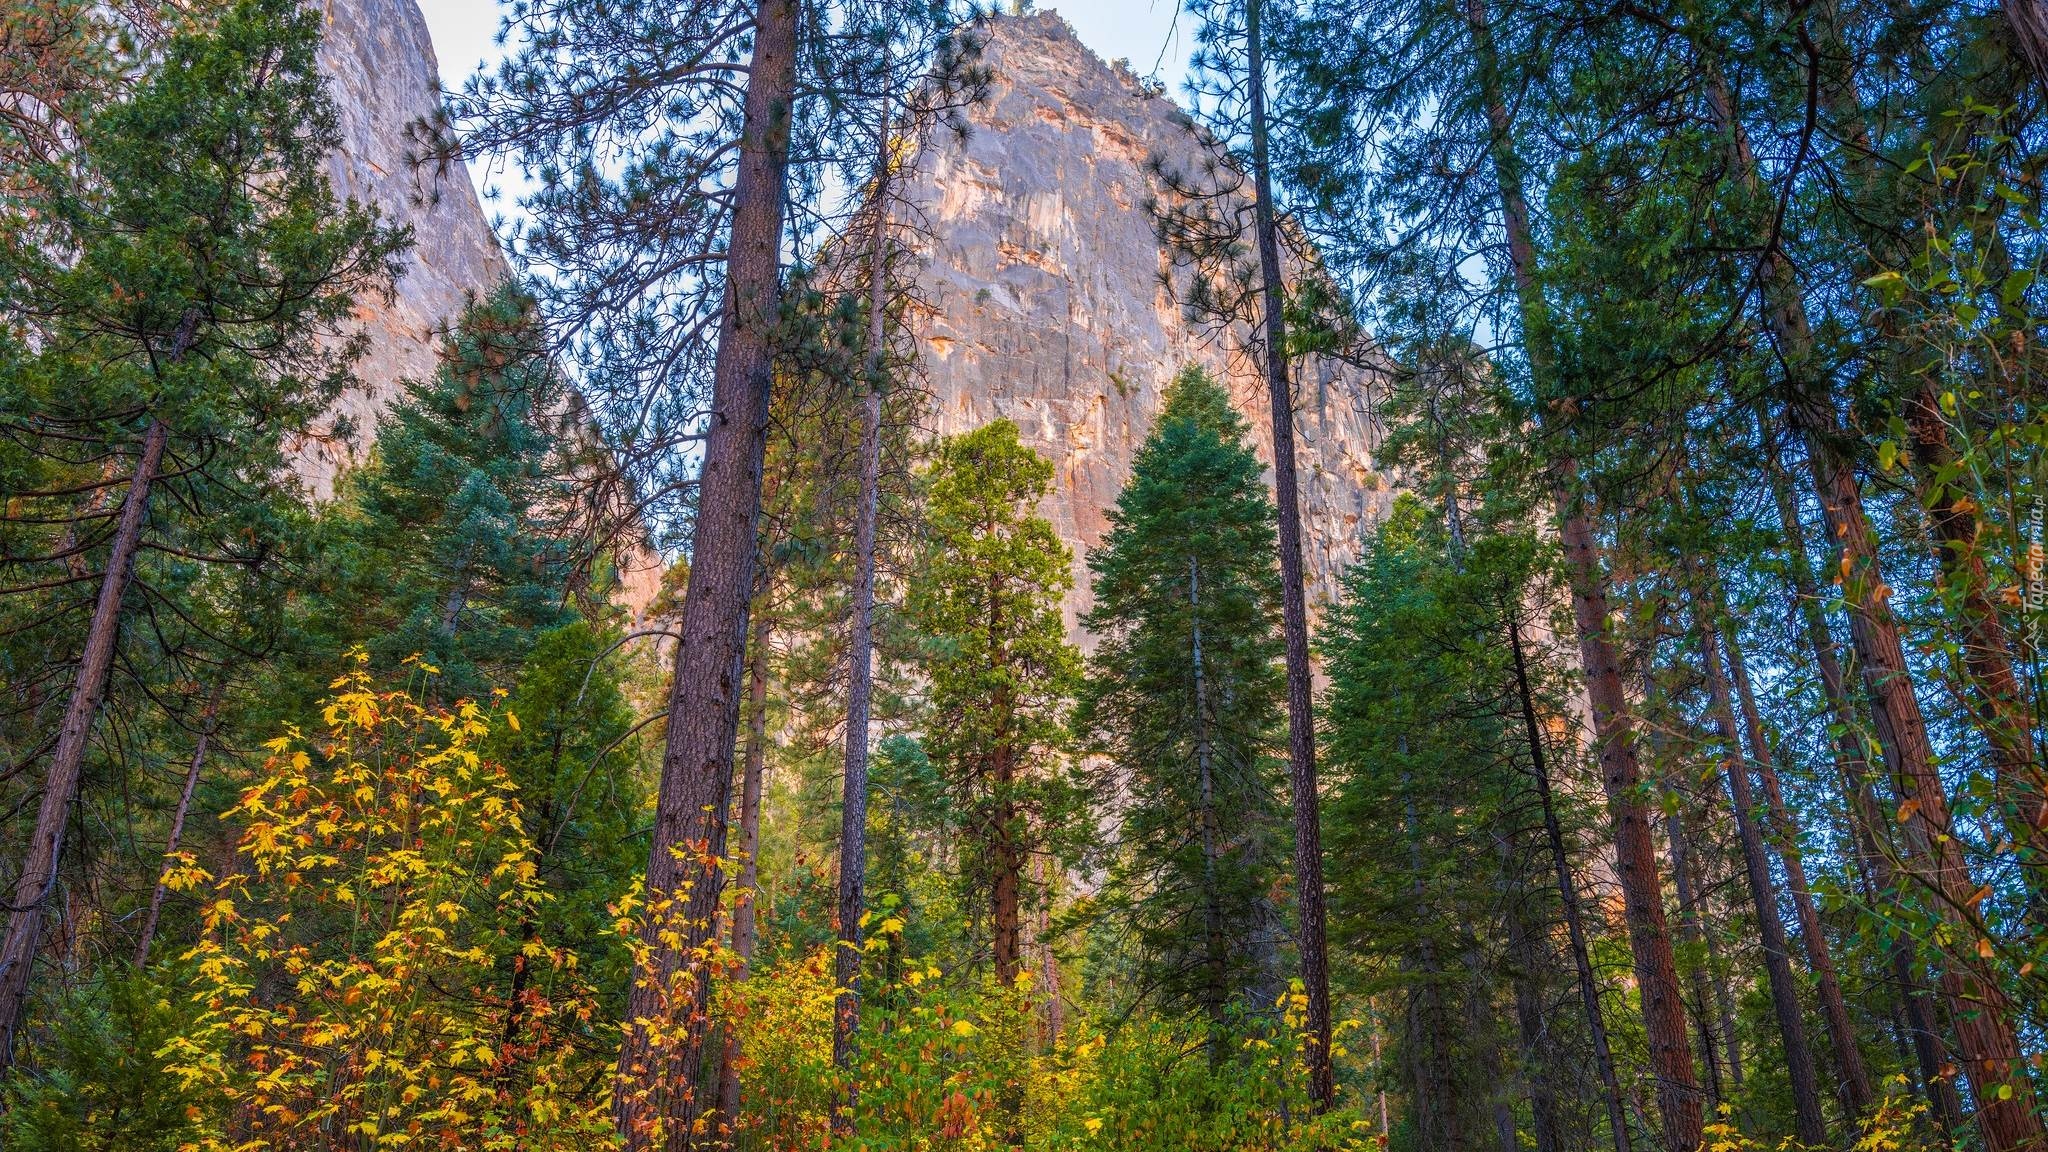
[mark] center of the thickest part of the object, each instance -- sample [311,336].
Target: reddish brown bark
[1568,896]
[2028,22]
[1678,1097]
[1635,858]
[2000,705]
[655,1099]
[1981,1009]
[39,866]
[1866,820]
[1856,1090]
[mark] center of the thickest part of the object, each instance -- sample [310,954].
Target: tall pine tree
[1184,697]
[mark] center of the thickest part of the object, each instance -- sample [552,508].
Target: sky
[1151,34]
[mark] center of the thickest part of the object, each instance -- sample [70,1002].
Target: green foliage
[1188,574]
[102,1083]
[175,266]
[455,541]
[987,602]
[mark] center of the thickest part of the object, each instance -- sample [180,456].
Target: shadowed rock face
[1042,277]
[382,76]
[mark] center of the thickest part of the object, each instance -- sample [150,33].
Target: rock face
[1042,275]
[379,62]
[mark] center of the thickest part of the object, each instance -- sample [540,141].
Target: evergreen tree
[1183,696]
[175,302]
[1001,672]
[455,540]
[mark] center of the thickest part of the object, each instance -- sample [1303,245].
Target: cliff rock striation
[382,75]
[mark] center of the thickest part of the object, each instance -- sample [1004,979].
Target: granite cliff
[382,75]
[1040,271]
[1044,304]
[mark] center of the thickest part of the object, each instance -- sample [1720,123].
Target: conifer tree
[187,281]
[1183,696]
[455,542]
[1001,672]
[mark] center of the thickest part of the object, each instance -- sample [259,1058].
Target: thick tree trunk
[1006,887]
[1678,1098]
[207,719]
[2028,20]
[1311,938]
[1983,1012]
[2001,706]
[1856,1090]
[1568,896]
[1865,819]
[656,1097]
[1635,855]
[39,866]
[1808,1122]
[860,645]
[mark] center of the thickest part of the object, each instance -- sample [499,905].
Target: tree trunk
[1982,1010]
[1310,940]
[1693,929]
[1436,1096]
[1568,895]
[207,720]
[1215,949]
[1536,1054]
[2001,707]
[1635,856]
[1005,913]
[1865,819]
[1678,1099]
[745,904]
[860,644]
[2028,20]
[1808,1122]
[1856,1091]
[39,866]
[655,1099]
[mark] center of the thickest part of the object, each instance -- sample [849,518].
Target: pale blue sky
[1141,31]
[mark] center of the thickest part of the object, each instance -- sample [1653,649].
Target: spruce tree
[1184,695]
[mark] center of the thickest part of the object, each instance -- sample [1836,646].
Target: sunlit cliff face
[1044,303]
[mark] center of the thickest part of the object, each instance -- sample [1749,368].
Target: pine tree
[1183,696]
